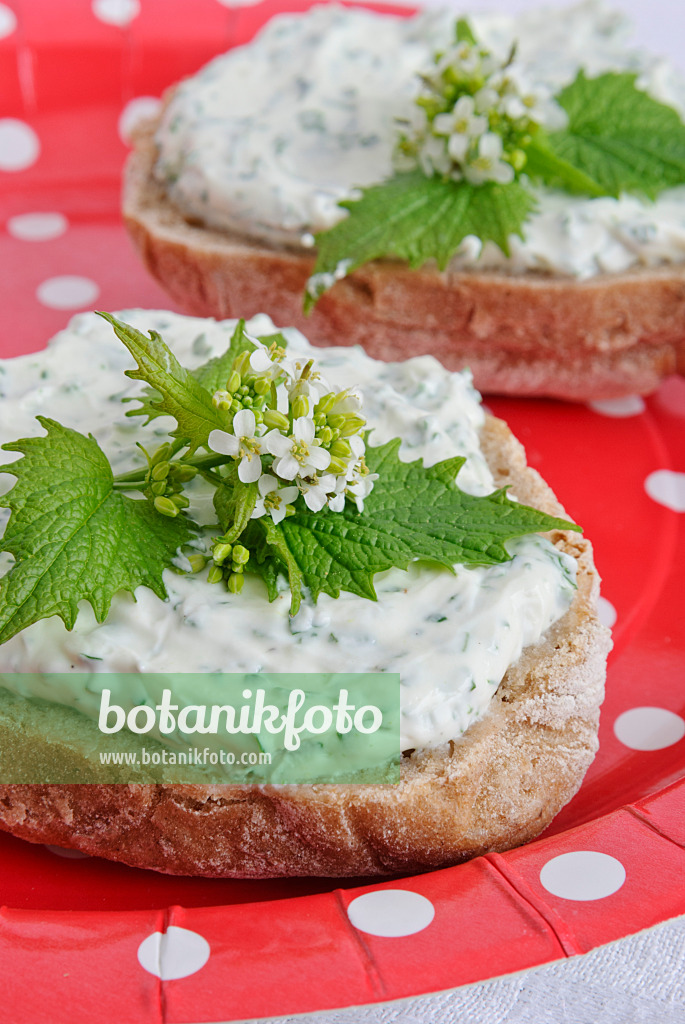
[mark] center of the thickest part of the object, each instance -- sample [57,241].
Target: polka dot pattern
[391,913]
[116,12]
[606,613]
[649,728]
[8,21]
[67,291]
[137,110]
[620,408]
[667,488]
[175,953]
[583,875]
[48,238]
[67,854]
[19,145]
[37,227]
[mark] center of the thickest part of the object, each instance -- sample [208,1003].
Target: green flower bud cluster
[245,389]
[165,481]
[477,114]
[228,565]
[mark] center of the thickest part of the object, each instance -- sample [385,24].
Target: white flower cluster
[476,116]
[292,434]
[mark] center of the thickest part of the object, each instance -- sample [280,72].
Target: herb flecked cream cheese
[266,140]
[450,637]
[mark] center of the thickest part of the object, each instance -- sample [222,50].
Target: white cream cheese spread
[265,140]
[451,638]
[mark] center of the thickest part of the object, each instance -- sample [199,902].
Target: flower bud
[341,449]
[183,473]
[276,420]
[235,583]
[300,406]
[352,425]
[166,506]
[337,466]
[234,382]
[325,435]
[160,471]
[197,562]
[240,554]
[221,400]
[517,158]
[326,403]
[215,574]
[162,454]
[220,552]
[262,386]
[179,500]
[158,487]
[241,362]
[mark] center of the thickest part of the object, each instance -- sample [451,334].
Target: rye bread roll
[520,334]
[496,787]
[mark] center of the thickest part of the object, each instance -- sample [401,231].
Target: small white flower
[300,454]
[433,157]
[273,499]
[487,166]
[360,487]
[315,490]
[242,444]
[461,126]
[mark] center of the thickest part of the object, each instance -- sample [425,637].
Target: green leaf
[413,512]
[464,32]
[543,164]
[619,136]
[212,375]
[264,561]
[179,394]
[234,503]
[416,219]
[73,536]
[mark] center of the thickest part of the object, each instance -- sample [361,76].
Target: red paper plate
[82,934]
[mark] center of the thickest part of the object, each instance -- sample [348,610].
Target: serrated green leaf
[413,512]
[180,394]
[73,536]
[234,504]
[619,136]
[214,374]
[417,219]
[263,558]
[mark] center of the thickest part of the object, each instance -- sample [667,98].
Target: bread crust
[526,334]
[496,787]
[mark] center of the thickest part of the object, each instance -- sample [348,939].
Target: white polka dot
[116,12]
[137,110]
[583,875]
[239,3]
[62,851]
[19,145]
[391,913]
[8,21]
[667,487]
[37,227]
[630,405]
[606,613]
[649,728]
[176,953]
[67,292]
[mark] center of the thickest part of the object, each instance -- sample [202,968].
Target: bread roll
[494,788]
